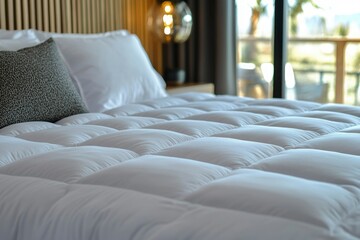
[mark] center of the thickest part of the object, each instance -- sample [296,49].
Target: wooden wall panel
[3,14]
[83,16]
[32,12]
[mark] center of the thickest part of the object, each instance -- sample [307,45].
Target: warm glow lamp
[171,21]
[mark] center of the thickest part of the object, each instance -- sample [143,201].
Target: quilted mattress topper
[190,166]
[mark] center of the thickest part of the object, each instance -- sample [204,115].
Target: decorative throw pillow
[36,86]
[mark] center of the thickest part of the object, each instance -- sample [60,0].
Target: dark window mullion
[280,38]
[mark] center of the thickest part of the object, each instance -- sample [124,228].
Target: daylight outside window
[323,61]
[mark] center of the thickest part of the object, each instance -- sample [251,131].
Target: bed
[92,147]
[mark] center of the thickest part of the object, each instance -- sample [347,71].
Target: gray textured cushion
[36,86]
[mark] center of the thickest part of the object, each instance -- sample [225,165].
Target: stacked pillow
[18,34]
[15,40]
[36,86]
[108,69]
[111,71]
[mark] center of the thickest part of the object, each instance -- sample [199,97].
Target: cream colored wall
[83,16]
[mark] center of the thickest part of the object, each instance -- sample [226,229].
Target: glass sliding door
[324,50]
[254,56]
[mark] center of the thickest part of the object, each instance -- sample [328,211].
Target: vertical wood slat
[25,14]
[111,16]
[58,16]
[123,10]
[65,16]
[73,15]
[3,15]
[94,16]
[46,15]
[78,16]
[134,21]
[83,16]
[52,15]
[117,9]
[18,14]
[39,19]
[88,16]
[146,39]
[123,17]
[103,15]
[129,19]
[11,16]
[109,13]
[32,14]
[107,20]
[91,17]
[96,11]
[98,16]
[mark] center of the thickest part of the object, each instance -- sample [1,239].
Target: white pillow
[111,70]
[18,34]
[16,44]
[41,35]
[45,35]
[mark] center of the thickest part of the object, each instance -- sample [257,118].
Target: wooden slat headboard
[82,16]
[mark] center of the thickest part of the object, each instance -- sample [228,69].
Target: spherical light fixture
[171,21]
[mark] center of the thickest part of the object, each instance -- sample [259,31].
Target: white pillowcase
[111,70]
[13,40]
[16,44]
[45,35]
[18,34]
[42,36]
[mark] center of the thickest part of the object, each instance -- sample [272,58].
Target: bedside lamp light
[171,21]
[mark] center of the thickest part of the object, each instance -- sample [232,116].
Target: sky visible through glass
[323,21]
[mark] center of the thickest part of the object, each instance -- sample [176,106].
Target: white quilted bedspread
[191,166]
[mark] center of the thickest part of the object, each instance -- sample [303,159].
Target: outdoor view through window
[323,53]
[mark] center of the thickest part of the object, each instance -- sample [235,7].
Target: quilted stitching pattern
[194,166]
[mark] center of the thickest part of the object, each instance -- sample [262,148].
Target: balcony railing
[340,57]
